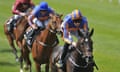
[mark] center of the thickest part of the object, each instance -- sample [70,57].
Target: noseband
[71,58]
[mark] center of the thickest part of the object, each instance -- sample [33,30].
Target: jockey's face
[43,12]
[77,22]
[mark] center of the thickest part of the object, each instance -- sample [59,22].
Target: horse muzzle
[89,59]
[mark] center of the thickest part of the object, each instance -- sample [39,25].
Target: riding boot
[15,19]
[63,55]
[30,36]
[10,25]
[14,23]
[65,50]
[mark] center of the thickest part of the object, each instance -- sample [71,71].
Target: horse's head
[55,22]
[85,45]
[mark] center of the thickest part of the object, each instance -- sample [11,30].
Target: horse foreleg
[47,67]
[21,61]
[38,67]
[11,42]
[27,59]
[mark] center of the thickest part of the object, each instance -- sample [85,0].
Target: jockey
[19,9]
[38,19]
[70,25]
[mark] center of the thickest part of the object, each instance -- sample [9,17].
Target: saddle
[30,36]
[11,23]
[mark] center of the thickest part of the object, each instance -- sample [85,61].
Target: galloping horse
[79,58]
[17,32]
[43,44]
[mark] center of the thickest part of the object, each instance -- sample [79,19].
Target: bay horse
[17,33]
[43,44]
[79,58]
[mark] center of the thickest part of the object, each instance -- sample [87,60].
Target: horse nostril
[89,59]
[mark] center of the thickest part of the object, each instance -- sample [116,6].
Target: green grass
[102,16]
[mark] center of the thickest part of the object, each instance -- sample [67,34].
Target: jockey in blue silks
[38,19]
[70,26]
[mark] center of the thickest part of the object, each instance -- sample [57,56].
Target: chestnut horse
[79,58]
[43,44]
[16,34]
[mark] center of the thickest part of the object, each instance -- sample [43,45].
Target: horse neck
[46,36]
[77,57]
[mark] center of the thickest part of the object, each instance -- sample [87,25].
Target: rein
[47,45]
[71,59]
[52,31]
[75,64]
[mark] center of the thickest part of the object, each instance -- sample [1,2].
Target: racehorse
[17,33]
[79,58]
[43,44]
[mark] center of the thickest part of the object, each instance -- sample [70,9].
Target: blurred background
[102,15]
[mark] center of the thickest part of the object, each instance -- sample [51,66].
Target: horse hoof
[17,59]
[21,70]
[26,67]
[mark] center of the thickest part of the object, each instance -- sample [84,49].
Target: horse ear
[80,33]
[61,15]
[51,16]
[91,32]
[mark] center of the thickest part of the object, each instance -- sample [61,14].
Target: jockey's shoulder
[16,3]
[68,17]
[51,10]
[36,7]
[84,18]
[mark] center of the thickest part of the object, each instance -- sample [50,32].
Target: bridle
[54,23]
[77,49]
[84,40]
[53,30]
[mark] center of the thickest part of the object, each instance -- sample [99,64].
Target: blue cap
[43,6]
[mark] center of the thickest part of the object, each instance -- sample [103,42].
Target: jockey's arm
[16,11]
[34,22]
[14,8]
[85,26]
[67,40]
[66,34]
[64,26]
[30,21]
[52,11]
[32,4]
